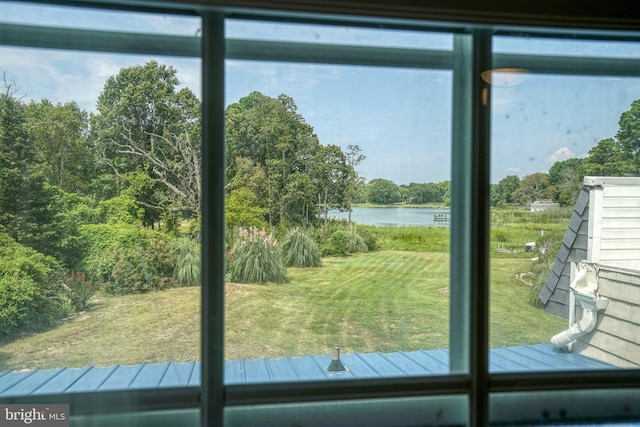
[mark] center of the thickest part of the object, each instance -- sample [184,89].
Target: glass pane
[566,47]
[615,408]
[564,240]
[95,19]
[446,410]
[99,253]
[341,173]
[336,34]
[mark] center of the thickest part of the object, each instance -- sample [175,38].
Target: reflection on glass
[564,229]
[336,34]
[566,47]
[93,19]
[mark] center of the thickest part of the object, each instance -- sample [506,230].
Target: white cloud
[64,76]
[563,153]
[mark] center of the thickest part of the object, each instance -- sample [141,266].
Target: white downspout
[578,329]
[584,289]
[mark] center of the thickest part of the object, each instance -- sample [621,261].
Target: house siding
[615,228]
[616,337]
[604,228]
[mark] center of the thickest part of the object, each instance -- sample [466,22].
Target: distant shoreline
[402,205]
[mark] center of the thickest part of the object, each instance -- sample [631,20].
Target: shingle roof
[573,248]
[540,357]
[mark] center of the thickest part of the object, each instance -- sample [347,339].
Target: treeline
[385,192]
[617,156]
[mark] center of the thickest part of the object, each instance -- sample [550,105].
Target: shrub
[355,243]
[256,258]
[370,239]
[31,291]
[338,244]
[187,269]
[79,290]
[299,250]
[127,259]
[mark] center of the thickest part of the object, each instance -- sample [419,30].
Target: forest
[110,201]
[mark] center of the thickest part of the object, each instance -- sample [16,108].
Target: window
[367,177]
[549,130]
[470,121]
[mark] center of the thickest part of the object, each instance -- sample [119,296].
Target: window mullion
[479,236]
[212,233]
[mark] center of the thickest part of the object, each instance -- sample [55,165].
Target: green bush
[256,258]
[31,289]
[126,259]
[338,244]
[369,238]
[187,269]
[299,250]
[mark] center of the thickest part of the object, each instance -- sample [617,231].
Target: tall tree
[565,176]
[59,134]
[628,135]
[332,175]
[25,195]
[354,157]
[271,134]
[17,157]
[608,158]
[145,124]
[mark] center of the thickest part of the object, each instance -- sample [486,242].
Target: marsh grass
[299,250]
[187,269]
[431,239]
[256,258]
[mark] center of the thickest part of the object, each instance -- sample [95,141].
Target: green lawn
[380,301]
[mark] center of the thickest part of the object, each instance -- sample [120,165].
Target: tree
[619,156]
[241,210]
[25,195]
[272,135]
[565,176]
[59,136]
[608,158]
[331,175]
[534,187]
[628,136]
[507,189]
[382,192]
[145,124]
[354,158]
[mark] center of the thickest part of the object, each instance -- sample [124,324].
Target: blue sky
[401,118]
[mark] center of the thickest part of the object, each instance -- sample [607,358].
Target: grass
[117,330]
[377,301]
[430,239]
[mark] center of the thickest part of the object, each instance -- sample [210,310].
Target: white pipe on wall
[578,329]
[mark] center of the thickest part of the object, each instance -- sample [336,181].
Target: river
[395,216]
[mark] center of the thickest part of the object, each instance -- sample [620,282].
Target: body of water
[396,216]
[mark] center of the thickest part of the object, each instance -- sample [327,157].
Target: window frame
[472,53]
